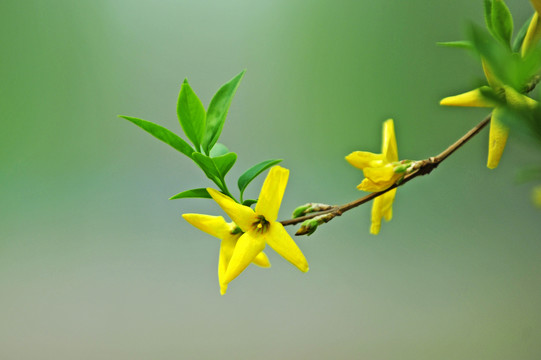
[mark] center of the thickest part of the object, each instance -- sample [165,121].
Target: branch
[421,167]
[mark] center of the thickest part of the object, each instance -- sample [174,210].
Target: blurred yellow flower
[229,233]
[259,227]
[379,173]
[498,131]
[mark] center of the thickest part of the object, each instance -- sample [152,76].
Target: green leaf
[463,44]
[249,202]
[201,193]
[253,172]
[217,111]
[209,168]
[502,21]
[488,14]
[218,150]
[191,114]
[224,163]
[519,39]
[163,134]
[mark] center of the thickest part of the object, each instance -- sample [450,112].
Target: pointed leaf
[191,114]
[502,21]
[225,162]
[519,38]
[218,150]
[217,111]
[193,193]
[163,134]
[209,168]
[249,202]
[464,44]
[252,173]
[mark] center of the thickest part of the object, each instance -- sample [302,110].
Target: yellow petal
[537,5]
[536,196]
[532,35]
[212,225]
[472,98]
[242,215]
[278,239]
[262,260]
[226,251]
[389,148]
[497,139]
[382,207]
[271,193]
[249,245]
[382,175]
[362,159]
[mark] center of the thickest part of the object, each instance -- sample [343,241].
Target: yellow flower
[229,233]
[379,173]
[498,131]
[260,226]
[536,196]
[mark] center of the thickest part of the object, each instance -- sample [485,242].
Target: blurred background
[97,263]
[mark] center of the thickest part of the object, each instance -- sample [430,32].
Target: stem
[424,167]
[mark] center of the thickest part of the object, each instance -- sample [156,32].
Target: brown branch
[422,167]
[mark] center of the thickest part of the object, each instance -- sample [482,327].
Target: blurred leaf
[502,21]
[163,134]
[519,38]
[209,168]
[463,44]
[249,202]
[194,193]
[523,122]
[218,150]
[217,111]
[224,163]
[488,14]
[253,172]
[191,114]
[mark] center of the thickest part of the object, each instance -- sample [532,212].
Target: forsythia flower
[498,131]
[379,173]
[259,227]
[229,233]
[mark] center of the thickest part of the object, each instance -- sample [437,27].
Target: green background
[96,263]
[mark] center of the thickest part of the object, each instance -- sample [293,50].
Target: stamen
[261,225]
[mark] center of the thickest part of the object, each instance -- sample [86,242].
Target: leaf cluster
[203,128]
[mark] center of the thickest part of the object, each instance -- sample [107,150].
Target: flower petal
[383,174]
[226,251]
[271,193]
[472,98]
[249,245]
[262,260]
[496,140]
[278,239]
[212,225]
[382,208]
[362,159]
[389,148]
[242,215]
[532,35]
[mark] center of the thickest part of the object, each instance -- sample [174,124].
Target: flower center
[261,225]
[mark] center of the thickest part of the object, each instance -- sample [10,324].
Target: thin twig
[424,167]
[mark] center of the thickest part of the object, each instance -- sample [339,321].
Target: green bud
[308,227]
[310,208]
